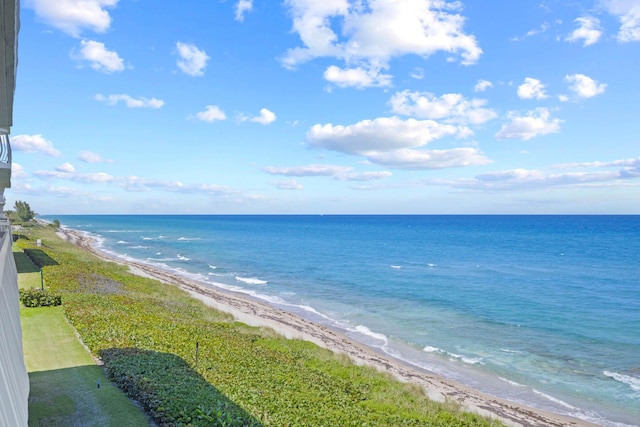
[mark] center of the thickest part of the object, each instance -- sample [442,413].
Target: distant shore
[256,313]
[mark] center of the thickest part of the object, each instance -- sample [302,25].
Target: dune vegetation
[188,364]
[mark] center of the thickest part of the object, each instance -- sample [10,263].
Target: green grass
[64,378]
[28,273]
[146,332]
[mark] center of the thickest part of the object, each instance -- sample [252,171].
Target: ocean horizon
[543,310]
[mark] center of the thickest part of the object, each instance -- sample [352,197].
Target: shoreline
[256,313]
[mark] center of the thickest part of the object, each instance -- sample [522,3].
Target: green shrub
[39,298]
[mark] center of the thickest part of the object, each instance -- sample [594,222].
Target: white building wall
[14,380]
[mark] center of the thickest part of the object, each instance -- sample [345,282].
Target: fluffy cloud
[588,31]
[33,144]
[356,77]
[482,85]
[395,142]
[211,114]
[90,157]
[72,16]
[429,159]
[129,101]
[98,57]
[531,88]
[535,123]
[192,61]
[381,134]
[371,33]
[266,117]
[242,7]
[450,107]
[628,12]
[17,171]
[66,168]
[584,86]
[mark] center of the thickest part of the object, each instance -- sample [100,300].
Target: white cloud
[450,107]
[211,114]
[535,123]
[242,7]
[91,157]
[394,142]
[372,32]
[417,73]
[358,77]
[33,144]
[628,12]
[17,171]
[309,170]
[584,86]
[98,57]
[129,101]
[72,16]
[588,31]
[290,184]
[482,85]
[532,179]
[66,168]
[381,134]
[429,159]
[531,88]
[266,117]
[192,60]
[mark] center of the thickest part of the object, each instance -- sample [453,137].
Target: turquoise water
[543,310]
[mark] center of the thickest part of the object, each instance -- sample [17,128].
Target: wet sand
[256,313]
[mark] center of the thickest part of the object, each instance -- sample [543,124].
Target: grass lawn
[64,378]
[28,273]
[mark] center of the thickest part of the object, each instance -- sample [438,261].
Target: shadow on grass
[170,391]
[40,257]
[24,264]
[71,397]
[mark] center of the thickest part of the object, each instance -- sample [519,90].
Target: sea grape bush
[146,333]
[39,298]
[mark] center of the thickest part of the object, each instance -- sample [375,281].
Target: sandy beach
[256,313]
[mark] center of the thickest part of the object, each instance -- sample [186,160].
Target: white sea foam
[251,280]
[213,267]
[138,247]
[122,242]
[513,383]
[188,239]
[554,400]
[632,382]
[432,265]
[397,267]
[369,333]
[453,356]
[183,258]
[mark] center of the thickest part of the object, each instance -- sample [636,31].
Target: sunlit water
[543,310]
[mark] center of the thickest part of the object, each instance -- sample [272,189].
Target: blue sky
[333,106]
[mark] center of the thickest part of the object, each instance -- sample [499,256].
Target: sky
[327,107]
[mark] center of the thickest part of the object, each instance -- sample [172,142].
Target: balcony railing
[5,150]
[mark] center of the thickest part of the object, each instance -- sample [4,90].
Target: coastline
[256,313]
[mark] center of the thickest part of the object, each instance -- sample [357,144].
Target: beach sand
[256,313]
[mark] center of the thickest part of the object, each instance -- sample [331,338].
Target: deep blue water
[544,310]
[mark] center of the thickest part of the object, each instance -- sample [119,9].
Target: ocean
[541,310]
